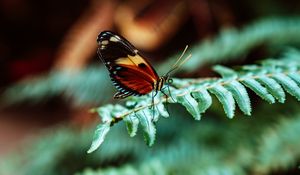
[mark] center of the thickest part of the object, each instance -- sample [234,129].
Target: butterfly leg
[153,106]
[170,93]
[167,102]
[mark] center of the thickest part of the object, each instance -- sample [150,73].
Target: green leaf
[145,119]
[240,94]
[203,98]
[162,110]
[132,123]
[258,89]
[190,104]
[225,72]
[288,84]
[105,112]
[273,87]
[295,76]
[226,99]
[99,136]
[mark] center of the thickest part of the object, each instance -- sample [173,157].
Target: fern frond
[232,43]
[260,146]
[59,149]
[84,87]
[195,95]
[264,145]
[270,157]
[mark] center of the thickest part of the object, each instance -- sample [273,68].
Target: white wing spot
[114,39]
[104,42]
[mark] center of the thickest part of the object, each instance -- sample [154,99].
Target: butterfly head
[165,79]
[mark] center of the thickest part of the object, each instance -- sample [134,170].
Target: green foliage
[87,87]
[60,150]
[268,80]
[232,43]
[83,87]
[260,145]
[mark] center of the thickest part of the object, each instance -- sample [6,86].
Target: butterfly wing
[129,71]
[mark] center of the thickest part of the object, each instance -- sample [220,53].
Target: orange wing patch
[139,63]
[135,79]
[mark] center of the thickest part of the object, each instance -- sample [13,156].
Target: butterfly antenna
[185,60]
[178,66]
[175,64]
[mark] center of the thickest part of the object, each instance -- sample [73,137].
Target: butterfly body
[130,72]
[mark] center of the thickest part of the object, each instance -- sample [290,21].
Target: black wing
[130,72]
[113,46]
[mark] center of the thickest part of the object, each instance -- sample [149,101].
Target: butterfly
[129,71]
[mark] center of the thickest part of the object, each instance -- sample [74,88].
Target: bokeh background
[51,77]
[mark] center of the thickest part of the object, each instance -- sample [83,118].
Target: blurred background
[51,77]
